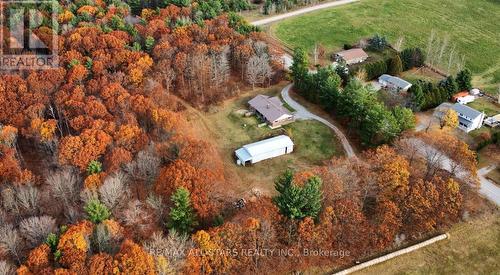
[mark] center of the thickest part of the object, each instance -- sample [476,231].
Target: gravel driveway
[302,113]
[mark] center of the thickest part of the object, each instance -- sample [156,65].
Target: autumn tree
[449,119]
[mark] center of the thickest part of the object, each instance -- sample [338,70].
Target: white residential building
[468,119]
[394,83]
[264,149]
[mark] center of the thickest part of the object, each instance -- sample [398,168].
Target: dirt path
[301,11]
[302,113]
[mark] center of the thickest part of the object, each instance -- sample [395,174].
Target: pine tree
[182,216]
[464,79]
[299,68]
[395,65]
[96,211]
[450,85]
[298,202]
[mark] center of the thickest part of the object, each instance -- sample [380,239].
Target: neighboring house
[352,56]
[461,94]
[469,119]
[464,97]
[493,121]
[264,149]
[271,110]
[394,83]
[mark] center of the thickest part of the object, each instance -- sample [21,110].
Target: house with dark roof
[394,83]
[351,56]
[469,119]
[271,110]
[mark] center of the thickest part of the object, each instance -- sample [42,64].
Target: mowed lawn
[228,130]
[472,26]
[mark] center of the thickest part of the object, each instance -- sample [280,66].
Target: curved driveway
[302,113]
[301,11]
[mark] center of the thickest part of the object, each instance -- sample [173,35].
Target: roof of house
[264,146]
[459,95]
[466,111]
[396,81]
[353,54]
[270,107]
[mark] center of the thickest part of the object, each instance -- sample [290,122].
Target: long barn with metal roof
[264,149]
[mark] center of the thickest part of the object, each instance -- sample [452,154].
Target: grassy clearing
[489,107]
[421,73]
[473,248]
[471,25]
[228,130]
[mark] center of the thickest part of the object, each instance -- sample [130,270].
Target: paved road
[301,11]
[302,113]
[488,188]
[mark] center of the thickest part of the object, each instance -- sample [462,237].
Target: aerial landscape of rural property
[249,137]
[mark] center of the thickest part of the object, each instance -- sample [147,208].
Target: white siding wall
[272,154]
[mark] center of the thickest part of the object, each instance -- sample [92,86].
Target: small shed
[264,149]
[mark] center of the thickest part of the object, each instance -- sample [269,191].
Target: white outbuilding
[264,149]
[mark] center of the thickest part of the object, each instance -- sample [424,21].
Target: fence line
[392,255]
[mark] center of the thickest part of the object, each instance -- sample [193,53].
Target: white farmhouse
[264,149]
[468,119]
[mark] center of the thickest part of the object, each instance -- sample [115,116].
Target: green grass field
[471,25]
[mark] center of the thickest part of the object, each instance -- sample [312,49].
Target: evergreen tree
[182,216]
[97,211]
[417,97]
[298,202]
[450,86]
[464,79]
[300,70]
[395,65]
[404,117]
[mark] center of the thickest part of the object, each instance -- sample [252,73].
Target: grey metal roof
[267,145]
[466,111]
[396,81]
[270,107]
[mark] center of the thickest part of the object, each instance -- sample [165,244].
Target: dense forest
[101,174]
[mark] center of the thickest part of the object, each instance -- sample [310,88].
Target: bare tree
[220,67]
[398,46]
[36,229]
[175,247]
[135,215]
[260,48]
[442,50]
[21,199]
[156,202]
[65,186]
[6,268]
[10,241]
[145,167]
[100,240]
[258,70]
[430,45]
[113,191]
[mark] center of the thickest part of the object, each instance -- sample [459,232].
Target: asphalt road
[488,188]
[301,112]
[301,11]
